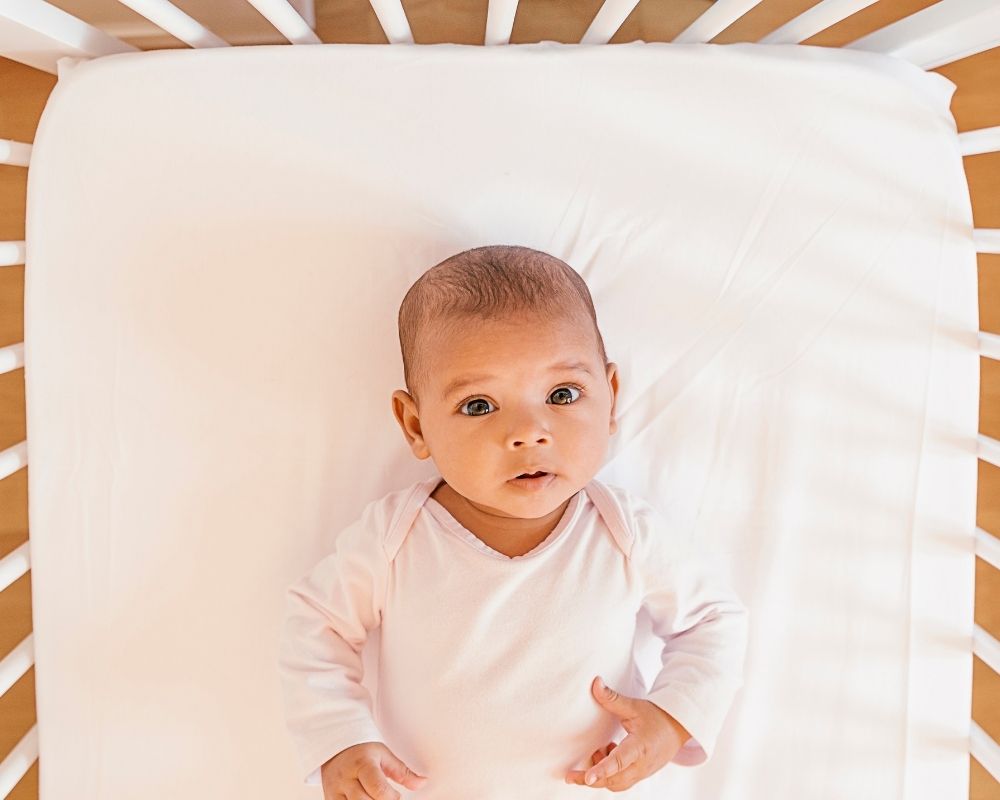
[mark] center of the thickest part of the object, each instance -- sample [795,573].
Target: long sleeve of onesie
[705,630]
[329,613]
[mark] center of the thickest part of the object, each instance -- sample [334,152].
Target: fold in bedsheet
[778,242]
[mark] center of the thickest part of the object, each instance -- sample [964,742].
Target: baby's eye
[565,389]
[476,402]
[479,402]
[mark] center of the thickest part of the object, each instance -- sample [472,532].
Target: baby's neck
[511,536]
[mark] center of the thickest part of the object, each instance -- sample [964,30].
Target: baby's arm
[329,613]
[705,628]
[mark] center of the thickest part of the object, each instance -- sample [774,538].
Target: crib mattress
[778,242]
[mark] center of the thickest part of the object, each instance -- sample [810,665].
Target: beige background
[976,104]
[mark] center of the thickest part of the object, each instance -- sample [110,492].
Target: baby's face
[504,398]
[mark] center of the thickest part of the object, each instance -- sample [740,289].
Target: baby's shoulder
[634,508]
[393,514]
[371,530]
[651,525]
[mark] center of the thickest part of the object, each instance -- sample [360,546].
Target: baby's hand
[654,737]
[360,770]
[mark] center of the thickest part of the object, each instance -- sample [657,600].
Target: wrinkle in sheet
[562,246]
[764,205]
[862,280]
[682,373]
[750,235]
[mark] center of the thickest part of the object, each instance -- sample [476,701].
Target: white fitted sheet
[778,240]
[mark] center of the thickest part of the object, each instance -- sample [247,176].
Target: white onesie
[486,661]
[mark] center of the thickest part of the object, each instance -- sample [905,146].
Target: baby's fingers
[577,775]
[619,769]
[372,780]
[597,755]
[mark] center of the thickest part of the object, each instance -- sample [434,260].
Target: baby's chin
[537,500]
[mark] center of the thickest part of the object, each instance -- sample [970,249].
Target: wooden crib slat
[987,240]
[13,458]
[17,154]
[499,21]
[981,140]
[38,34]
[989,345]
[13,565]
[393,20]
[988,547]
[16,663]
[11,358]
[307,10]
[11,253]
[988,449]
[18,761]
[985,750]
[716,18]
[939,34]
[283,16]
[607,21]
[175,22]
[821,16]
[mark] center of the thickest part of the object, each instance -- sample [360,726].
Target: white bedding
[778,242]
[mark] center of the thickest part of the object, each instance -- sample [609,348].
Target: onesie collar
[606,500]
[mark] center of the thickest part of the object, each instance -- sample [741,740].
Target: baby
[508,585]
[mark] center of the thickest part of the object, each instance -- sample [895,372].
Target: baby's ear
[612,374]
[404,409]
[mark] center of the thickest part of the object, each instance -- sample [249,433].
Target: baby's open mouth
[532,475]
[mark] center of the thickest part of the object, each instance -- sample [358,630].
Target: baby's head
[506,373]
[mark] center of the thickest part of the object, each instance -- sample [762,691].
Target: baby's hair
[491,282]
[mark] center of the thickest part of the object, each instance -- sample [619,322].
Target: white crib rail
[609,19]
[17,563]
[12,253]
[11,358]
[293,22]
[944,32]
[941,33]
[175,22]
[12,459]
[985,750]
[821,16]
[14,665]
[499,21]
[987,240]
[18,761]
[988,448]
[393,20]
[16,154]
[39,34]
[283,16]
[989,345]
[983,140]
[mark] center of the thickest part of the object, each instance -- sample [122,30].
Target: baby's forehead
[531,319]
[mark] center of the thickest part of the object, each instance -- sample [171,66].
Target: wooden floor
[24,91]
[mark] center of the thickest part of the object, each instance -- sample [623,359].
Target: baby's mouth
[532,475]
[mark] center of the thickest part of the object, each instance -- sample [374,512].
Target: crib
[105,599]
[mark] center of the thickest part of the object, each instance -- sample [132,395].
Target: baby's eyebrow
[462,382]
